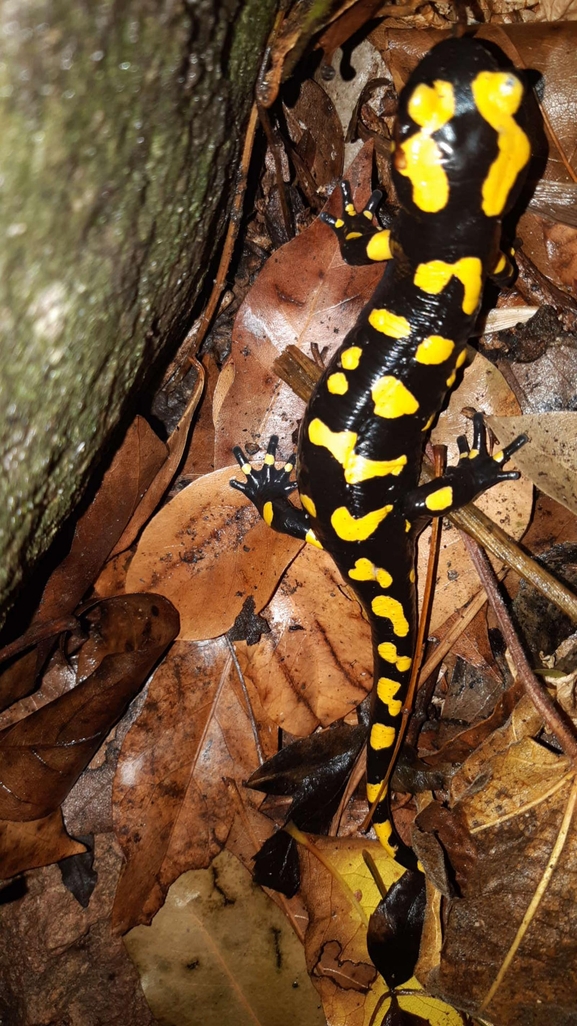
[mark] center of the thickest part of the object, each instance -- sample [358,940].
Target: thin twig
[552,716]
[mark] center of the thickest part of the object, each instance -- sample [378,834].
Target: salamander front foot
[269,488]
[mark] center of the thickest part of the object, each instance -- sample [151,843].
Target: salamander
[460,157]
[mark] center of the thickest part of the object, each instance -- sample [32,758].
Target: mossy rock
[121,125]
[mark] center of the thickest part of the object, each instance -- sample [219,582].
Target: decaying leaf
[511,839]
[207,550]
[37,842]
[180,772]
[314,772]
[549,459]
[315,665]
[132,470]
[43,755]
[220,952]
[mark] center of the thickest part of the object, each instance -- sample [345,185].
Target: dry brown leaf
[305,294]
[38,842]
[132,469]
[515,919]
[42,756]
[550,457]
[151,496]
[174,792]
[207,550]
[200,456]
[316,664]
[315,129]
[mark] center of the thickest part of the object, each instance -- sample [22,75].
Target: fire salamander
[460,158]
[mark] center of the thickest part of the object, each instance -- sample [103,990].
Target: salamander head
[460,145]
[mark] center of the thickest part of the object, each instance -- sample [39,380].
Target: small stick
[552,716]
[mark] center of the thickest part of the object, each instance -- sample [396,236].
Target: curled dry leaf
[42,756]
[550,457]
[133,468]
[174,449]
[316,665]
[178,781]
[207,550]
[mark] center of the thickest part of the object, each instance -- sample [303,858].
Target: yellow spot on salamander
[364,570]
[269,460]
[391,609]
[308,504]
[384,579]
[288,467]
[339,443]
[337,383]
[373,792]
[441,499]
[407,526]
[352,235]
[381,736]
[419,158]
[341,446]
[412,576]
[268,513]
[498,96]
[473,454]
[461,358]
[388,652]
[350,209]
[392,399]
[312,539]
[350,358]
[390,323]
[501,264]
[384,832]
[499,457]
[386,691]
[451,379]
[379,246]
[358,468]
[246,469]
[435,275]
[368,214]
[350,529]
[434,349]
[339,223]
[429,422]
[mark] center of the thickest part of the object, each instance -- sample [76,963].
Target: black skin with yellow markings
[460,160]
